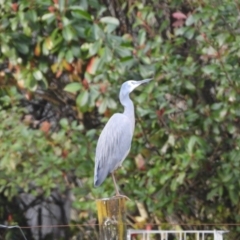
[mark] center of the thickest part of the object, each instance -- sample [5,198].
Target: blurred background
[62,63]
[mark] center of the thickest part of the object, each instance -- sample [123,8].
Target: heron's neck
[128,108]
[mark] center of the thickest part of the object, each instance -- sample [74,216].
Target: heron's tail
[100,174]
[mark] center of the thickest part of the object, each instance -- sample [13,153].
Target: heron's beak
[138,83]
[145,80]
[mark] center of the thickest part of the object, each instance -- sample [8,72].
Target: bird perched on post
[115,139]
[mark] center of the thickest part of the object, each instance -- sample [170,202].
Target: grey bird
[115,139]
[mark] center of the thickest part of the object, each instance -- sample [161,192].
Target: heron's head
[129,86]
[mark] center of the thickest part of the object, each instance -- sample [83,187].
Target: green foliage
[187,129]
[32,159]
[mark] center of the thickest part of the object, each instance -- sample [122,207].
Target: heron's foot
[120,195]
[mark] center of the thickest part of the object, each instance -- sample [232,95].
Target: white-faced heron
[115,140]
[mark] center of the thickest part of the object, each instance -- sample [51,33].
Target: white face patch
[131,85]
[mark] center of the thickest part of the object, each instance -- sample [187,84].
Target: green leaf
[103,106]
[212,193]
[79,13]
[164,177]
[66,21]
[22,47]
[189,85]
[142,37]
[189,33]
[69,56]
[64,123]
[112,23]
[190,20]
[226,177]
[181,177]
[45,49]
[94,94]
[68,33]
[83,98]
[209,69]
[48,16]
[107,54]
[126,59]
[180,31]
[32,15]
[38,75]
[234,196]
[191,143]
[217,106]
[173,185]
[111,103]
[31,83]
[73,87]
[128,62]
[222,38]
[97,32]
[110,20]
[94,48]
[122,51]
[61,4]
[75,50]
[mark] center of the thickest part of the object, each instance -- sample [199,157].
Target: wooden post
[112,218]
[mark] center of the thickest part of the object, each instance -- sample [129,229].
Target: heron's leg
[116,188]
[115,184]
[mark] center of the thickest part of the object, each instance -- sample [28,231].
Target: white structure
[176,235]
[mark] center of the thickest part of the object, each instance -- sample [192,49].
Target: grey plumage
[109,156]
[115,140]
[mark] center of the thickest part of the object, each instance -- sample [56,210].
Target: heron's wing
[113,146]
